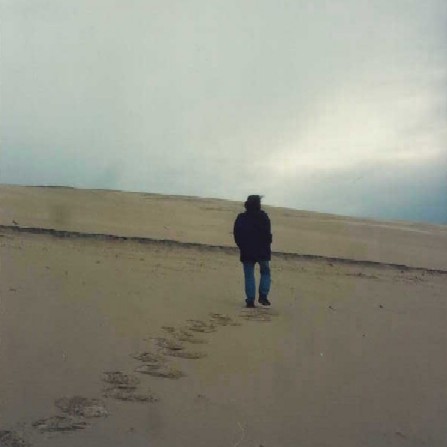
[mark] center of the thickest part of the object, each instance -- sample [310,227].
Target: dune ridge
[171,242]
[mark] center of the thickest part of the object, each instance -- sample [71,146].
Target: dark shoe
[250,304]
[264,301]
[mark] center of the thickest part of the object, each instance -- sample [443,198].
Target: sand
[114,342]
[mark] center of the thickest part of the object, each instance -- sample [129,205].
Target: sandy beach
[110,341]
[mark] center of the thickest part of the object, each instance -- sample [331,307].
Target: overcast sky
[334,106]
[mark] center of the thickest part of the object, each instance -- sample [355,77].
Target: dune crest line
[171,242]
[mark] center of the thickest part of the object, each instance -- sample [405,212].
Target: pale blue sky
[333,106]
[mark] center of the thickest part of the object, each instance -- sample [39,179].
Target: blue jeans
[250,285]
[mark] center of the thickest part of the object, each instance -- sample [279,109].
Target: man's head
[253,203]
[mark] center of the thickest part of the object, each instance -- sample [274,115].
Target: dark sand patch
[12,439]
[362,275]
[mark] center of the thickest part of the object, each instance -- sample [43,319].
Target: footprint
[171,345]
[124,386]
[187,337]
[128,395]
[183,335]
[11,439]
[119,378]
[262,315]
[81,406]
[223,320]
[264,318]
[160,371]
[59,423]
[201,326]
[186,354]
[149,357]
[220,319]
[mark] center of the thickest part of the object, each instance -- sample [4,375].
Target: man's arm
[266,228]
[237,231]
[269,230]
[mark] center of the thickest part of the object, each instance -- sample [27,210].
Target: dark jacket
[252,234]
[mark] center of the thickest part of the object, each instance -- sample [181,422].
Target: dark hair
[253,203]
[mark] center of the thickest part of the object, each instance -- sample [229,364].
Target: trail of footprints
[77,412]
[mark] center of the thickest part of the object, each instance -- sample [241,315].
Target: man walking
[252,234]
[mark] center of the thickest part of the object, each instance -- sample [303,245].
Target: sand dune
[210,221]
[113,342]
